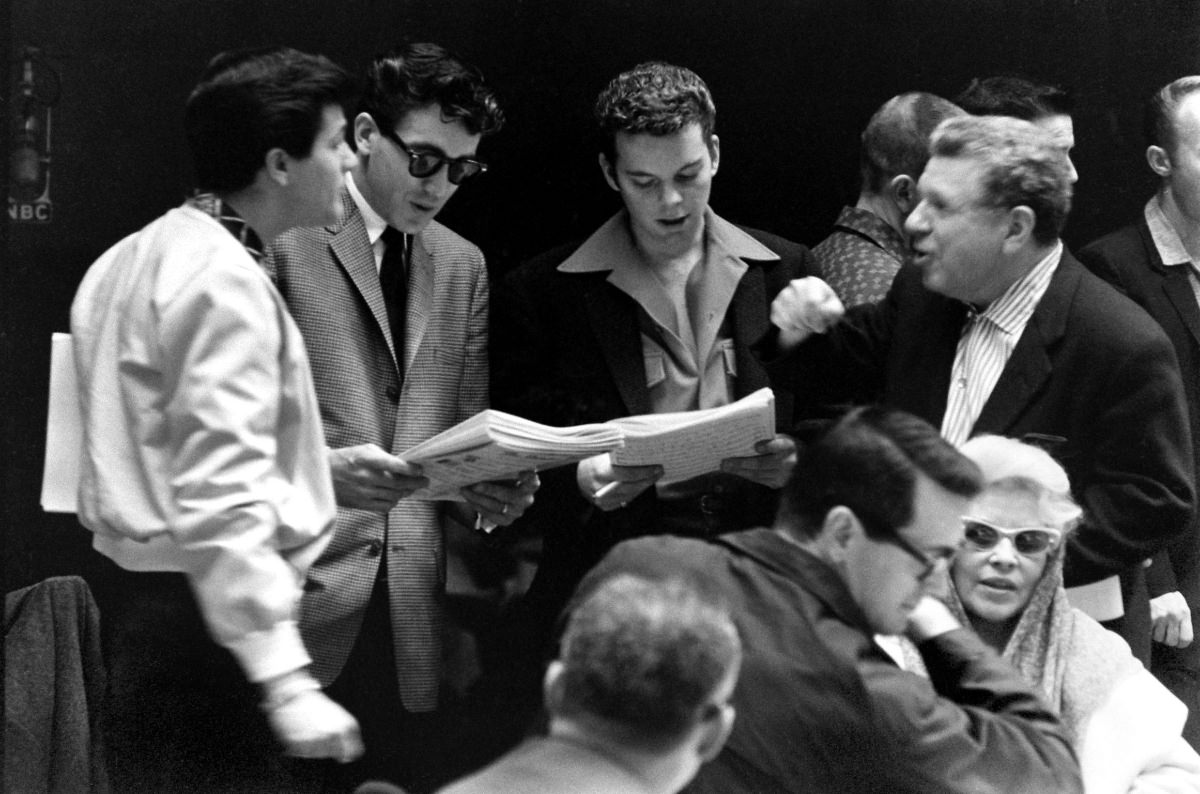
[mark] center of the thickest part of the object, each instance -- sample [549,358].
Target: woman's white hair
[1008,463]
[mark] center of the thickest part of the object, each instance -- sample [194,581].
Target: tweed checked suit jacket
[330,282]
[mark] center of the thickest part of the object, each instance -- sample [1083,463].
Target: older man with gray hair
[996,328]
[868,245]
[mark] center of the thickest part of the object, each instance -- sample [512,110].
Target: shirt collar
[611,246]
[875,228]
[1012,310]
[806,569]
[212,205]
[371,219]
[1170,248]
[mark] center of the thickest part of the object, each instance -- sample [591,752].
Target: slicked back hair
[896,139]
[868,461]
[423,74]
[1159,121]
[248,102]
[1018,97]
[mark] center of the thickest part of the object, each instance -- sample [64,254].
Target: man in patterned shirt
[860,258]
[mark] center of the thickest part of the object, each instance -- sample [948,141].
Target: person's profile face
[664,182]
[995,584]
[315,182]
[1184,159]
[408,202]
[1061,129]
[957,240]
[888,577]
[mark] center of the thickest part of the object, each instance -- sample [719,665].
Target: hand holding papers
[493,445]
[691,443]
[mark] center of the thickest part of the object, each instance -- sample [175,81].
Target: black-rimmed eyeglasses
[423,164]
[930,562]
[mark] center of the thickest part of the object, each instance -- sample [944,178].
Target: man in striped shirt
[996,328]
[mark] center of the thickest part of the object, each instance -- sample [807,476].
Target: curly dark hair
[422,74]
[655,98]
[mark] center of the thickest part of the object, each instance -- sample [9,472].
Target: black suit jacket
[1092,375]
[1129,260]
[566,349]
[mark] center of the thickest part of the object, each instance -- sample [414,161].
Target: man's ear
[609,170]
[904,193]
[1159,160]
[714,149]
[1021,222]
[552,687]
[838,529]
[715,731]
[276,165]
[366,133]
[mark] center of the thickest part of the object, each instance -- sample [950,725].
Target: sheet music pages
[691,443]
[64,431]
[493,445]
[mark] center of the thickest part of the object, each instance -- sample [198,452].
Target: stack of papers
[493,445]
[691,443]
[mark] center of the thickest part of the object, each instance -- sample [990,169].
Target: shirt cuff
[271,653]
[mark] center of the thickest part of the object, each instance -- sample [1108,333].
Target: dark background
[794,82]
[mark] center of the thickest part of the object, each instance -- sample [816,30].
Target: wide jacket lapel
[352,251]
[750,324]
[614,321]
[1178,288]
[1175,281]
[422,282]
[1030,366]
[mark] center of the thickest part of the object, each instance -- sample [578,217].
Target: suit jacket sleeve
[846,365]
[1158,443]
[1161,575]
[979,723]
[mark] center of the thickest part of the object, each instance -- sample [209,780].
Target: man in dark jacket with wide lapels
[1153,261]
[873,512]
[997,329]
[654,313]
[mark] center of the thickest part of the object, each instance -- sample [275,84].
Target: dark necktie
[393,279]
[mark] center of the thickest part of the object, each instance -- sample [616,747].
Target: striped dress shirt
[987,342]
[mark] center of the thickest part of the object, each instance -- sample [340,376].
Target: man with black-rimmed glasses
[393,307]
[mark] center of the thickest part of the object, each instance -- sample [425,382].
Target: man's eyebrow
[423,146]
[694,163]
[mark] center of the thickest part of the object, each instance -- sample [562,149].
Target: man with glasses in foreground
[393,307]
[872,511]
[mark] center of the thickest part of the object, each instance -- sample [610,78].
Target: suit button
[373,548]
[393,393]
